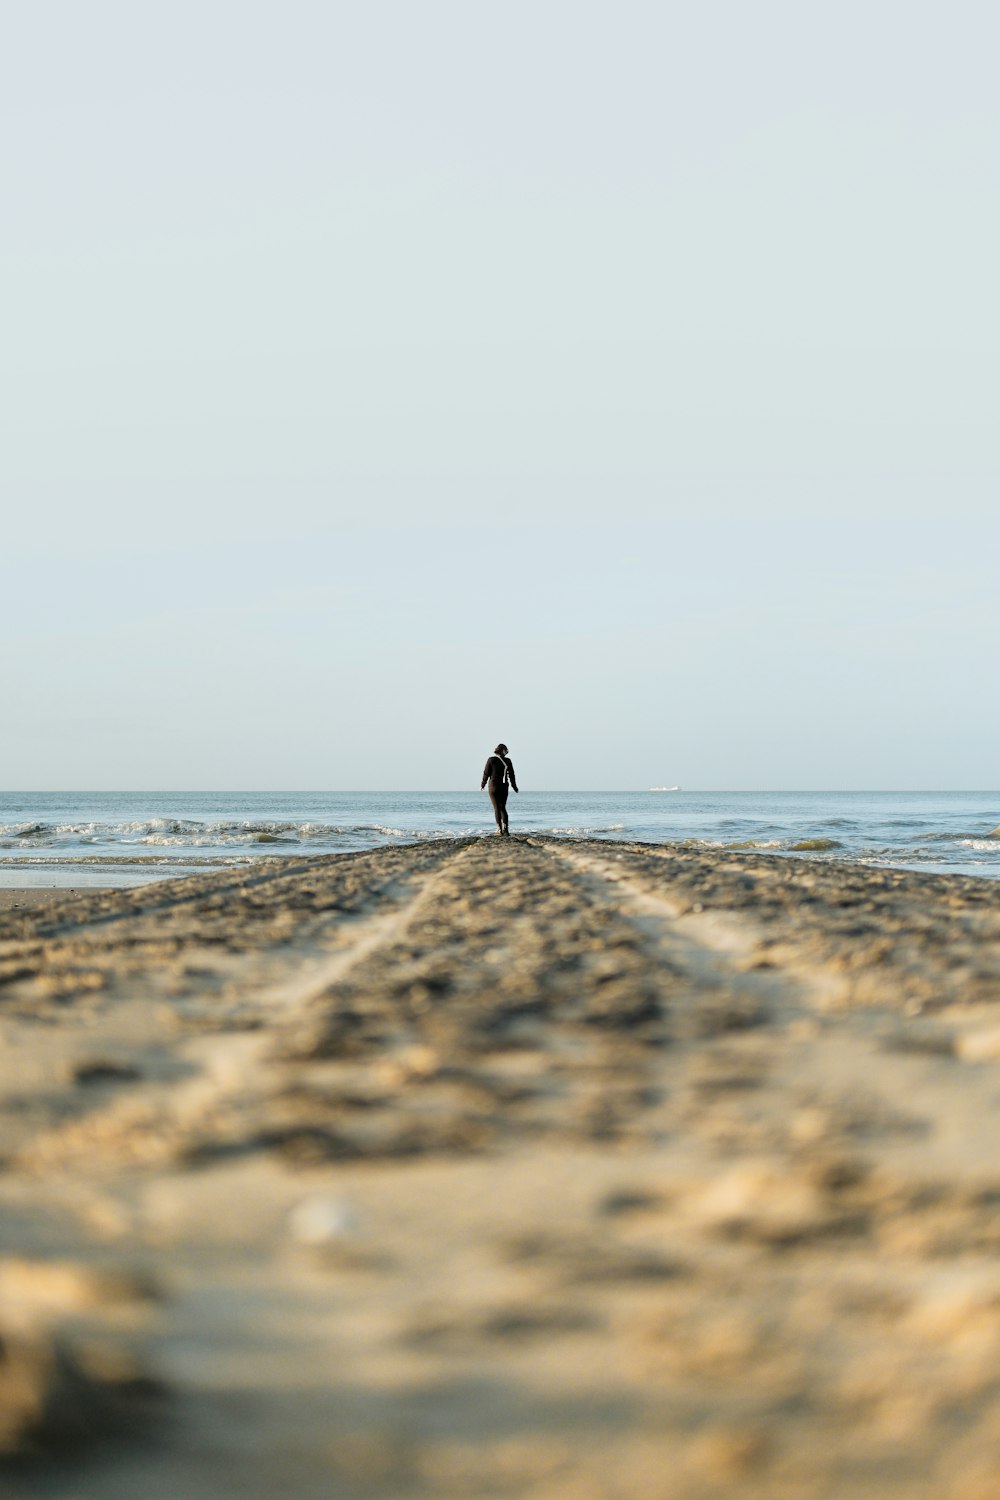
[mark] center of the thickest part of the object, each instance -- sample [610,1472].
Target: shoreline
[14,896]
[142,870]
[941,831]
[548,1167]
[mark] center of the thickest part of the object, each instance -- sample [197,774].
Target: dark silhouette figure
[500,774]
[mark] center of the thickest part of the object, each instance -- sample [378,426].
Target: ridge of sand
[530,1167]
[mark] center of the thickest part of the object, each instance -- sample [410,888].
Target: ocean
[125,838]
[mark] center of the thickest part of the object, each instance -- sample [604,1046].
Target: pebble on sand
[323,1219]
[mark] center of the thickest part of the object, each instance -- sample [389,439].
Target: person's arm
[486,773]
[513,778]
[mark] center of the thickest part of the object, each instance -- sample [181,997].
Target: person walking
[499,772]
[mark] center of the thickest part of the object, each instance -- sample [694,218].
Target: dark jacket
[498,771]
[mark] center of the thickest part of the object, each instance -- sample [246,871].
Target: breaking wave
[585,832]
[185,833]
[791,846]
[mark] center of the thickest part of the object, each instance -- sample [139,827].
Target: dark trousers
[498,796]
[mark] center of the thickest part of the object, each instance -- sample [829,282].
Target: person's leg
[503,810]
[499,811]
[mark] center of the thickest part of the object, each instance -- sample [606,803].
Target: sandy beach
[557,1169]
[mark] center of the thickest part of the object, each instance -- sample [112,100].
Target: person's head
[500,750]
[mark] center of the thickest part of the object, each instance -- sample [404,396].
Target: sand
[543,1168]
[17,897]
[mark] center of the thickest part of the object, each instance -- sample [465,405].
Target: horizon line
[462,791]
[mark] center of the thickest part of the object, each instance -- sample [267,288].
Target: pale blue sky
[378,381]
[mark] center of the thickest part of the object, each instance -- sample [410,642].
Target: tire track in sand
[712,949]
[262,992]
[845,1049]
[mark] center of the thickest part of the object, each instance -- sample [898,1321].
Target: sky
[617,380]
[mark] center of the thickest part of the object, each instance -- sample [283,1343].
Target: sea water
[80,838]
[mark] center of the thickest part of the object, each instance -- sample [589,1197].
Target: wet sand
[12,897]
[544,1168]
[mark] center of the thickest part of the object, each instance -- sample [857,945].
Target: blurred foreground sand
[538,1168]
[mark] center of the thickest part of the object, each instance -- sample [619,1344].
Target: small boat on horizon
[664,788]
